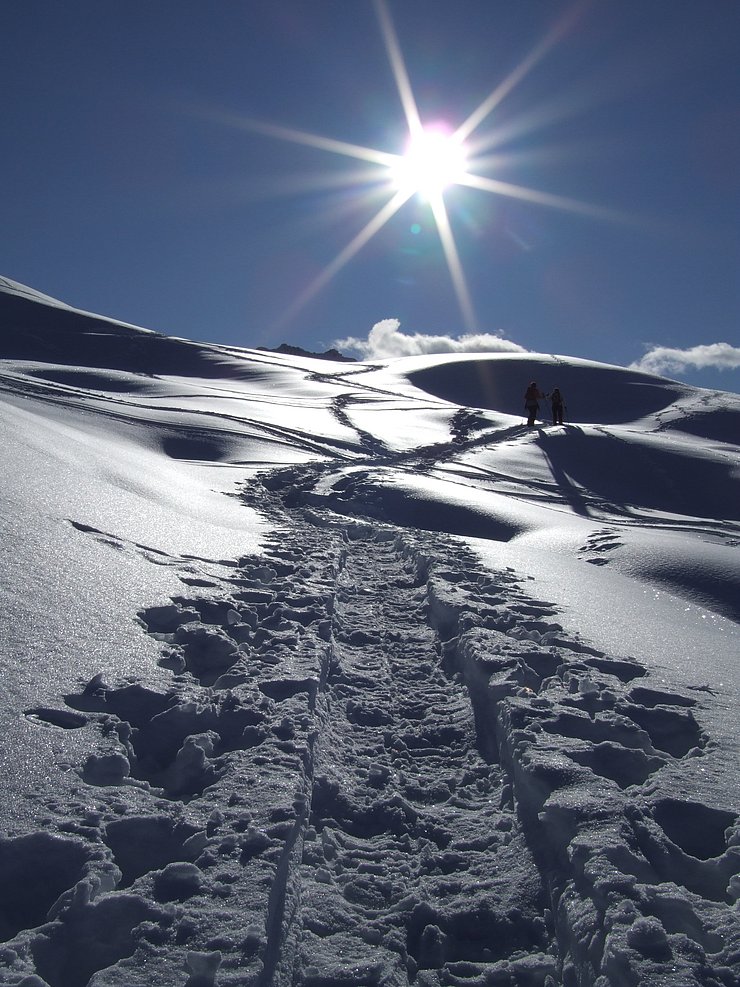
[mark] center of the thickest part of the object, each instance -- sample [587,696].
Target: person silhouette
[558,406]
[532,402]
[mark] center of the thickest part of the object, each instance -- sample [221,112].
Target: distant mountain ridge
[288,350]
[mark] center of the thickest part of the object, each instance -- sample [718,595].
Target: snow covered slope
[333,674]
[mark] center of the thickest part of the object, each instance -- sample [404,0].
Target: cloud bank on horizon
[710,356]
[385,339]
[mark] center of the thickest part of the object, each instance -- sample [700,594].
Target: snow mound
[593,392]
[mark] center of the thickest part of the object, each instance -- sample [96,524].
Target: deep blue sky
[126,190]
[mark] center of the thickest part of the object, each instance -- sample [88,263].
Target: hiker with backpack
[558,406]
[532,402]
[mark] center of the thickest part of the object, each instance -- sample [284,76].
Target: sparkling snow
[334,675]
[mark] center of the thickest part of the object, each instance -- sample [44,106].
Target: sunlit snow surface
[325,673]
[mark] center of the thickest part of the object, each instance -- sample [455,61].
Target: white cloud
[664,359]
[386,340]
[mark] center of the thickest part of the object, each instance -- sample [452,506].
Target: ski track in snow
[377,764]
[367,759]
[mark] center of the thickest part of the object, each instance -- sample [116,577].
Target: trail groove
[377,764]
[414,861]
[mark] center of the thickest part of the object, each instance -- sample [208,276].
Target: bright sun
[434,160]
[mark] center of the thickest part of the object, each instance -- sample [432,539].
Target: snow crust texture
[376,763]
[369,750]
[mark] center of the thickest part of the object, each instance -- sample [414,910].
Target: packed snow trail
[378,763]
[414,860]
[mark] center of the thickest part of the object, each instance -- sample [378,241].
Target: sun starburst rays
[376,223]
[398,67]
[459,282]
[437,159]
[322,143]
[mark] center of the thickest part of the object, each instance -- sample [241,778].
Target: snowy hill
[331,674]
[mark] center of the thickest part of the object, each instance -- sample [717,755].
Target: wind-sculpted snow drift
[314,677]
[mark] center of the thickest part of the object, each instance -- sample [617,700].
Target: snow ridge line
[281,928]
[279,921]
[630,899]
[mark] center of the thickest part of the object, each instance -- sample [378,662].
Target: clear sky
[158,166]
